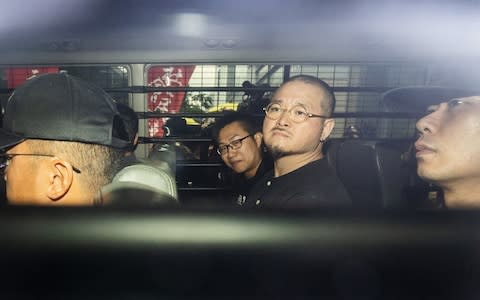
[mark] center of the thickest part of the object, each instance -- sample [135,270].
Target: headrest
[141,185]
[416,99]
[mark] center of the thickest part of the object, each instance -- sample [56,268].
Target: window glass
[106,77]
[214,88]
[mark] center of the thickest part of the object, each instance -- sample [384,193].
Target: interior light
[229,43]
[211,43]
[190,24]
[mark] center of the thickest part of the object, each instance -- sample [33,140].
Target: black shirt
[313,185]
[241,186]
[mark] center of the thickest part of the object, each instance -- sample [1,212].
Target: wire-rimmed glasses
[297,113]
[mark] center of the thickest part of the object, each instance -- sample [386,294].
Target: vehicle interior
[183,64]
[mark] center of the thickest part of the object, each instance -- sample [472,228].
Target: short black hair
[249,122]
[130,122]
[98,163]
[329,95]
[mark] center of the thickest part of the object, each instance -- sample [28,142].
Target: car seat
[374,173]
[140,185]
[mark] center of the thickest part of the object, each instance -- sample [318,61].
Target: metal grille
[214,88]
[211,88]
[104,76]
[358,89]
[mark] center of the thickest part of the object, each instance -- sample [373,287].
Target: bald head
[328,100]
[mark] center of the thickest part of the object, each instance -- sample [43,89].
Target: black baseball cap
[64,108]
[416,99]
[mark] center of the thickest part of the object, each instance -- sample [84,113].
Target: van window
[106,76]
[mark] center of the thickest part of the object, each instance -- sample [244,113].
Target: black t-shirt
[313,185]
[241,186]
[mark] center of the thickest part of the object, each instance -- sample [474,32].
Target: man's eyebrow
[296,102]
[229,140]
[455,99]
[235,137]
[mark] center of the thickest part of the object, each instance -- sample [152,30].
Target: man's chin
[428,176]
[278,152]
[239,170]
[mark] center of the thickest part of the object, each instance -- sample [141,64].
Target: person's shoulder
[263,178]
[265,166]
[319,165]
[260,185]
[320,193]
[318,185]
[312,172]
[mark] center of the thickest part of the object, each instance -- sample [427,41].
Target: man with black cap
[130,122]
[61,141]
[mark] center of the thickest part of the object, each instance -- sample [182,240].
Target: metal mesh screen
[358,89]
[104,76]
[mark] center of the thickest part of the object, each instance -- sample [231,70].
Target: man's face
[285,137]
[22,176]
[448,148]
[247,157]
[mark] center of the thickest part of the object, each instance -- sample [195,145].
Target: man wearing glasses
[297,123]
[240,145]
[61,141]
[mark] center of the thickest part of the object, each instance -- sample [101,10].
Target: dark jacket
[311,186]
[241,186]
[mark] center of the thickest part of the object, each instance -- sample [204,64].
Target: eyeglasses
[5,159]
[234,145]
[298,113]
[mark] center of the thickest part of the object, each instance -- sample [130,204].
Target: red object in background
[166,102]
[17,76]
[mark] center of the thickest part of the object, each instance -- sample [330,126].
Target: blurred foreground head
[448,143]
[62,141]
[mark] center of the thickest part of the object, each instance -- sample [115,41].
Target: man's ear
[258,137]
[327,129]
[135,140]
[135,143]
[60,179]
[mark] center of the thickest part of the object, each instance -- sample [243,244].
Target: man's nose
[429,123]
[284,118]
[424,126]
[231,152]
